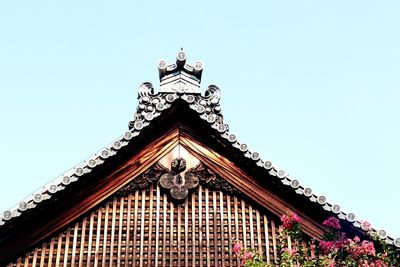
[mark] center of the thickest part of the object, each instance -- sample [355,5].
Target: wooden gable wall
[146,228]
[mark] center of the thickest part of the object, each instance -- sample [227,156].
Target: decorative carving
[178,186]
[177,181]
[207,177]
[177,81]
[144,180]
[213,94]
[180,76]
[145,90]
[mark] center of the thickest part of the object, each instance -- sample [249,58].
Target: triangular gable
[141,225]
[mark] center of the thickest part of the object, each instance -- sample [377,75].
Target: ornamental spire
[178,81]
[180,76]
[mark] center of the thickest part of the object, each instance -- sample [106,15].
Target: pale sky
[313,86]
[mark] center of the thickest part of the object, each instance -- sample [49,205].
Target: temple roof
[180,82]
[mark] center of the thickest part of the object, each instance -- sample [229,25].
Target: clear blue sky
[313,86]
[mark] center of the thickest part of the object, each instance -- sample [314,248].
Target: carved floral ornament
[178,182]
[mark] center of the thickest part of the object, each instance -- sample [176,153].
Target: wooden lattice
[146,228]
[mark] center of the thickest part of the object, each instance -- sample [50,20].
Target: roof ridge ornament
[180,76]
[178,81]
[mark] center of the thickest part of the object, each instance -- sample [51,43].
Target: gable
[131,175]
[142,224]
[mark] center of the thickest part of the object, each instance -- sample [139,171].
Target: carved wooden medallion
[177,181]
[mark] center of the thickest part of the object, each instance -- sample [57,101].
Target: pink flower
[289,220]
[296,218]
[366,248]
[237,248]
[332,223]
[246,257]
[380,263]
[326,246]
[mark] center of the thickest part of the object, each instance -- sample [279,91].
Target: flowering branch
[335,250]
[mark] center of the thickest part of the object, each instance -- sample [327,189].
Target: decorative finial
[180,76]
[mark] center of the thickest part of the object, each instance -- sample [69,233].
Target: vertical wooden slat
[121,213]
[128,225]
[82,248]
[35,252]
[207,226]
[142,227]
[266,239]
[43,254]
[74,244]
[66,249]
[200,226]
[98,228]
[26,262]
[235,203]
[114,211]
[273,231]
[151,198]
[186,233]
[228,202]
[251,227]
[105,234]
[179,234]
[157,223]
[89,254]
[258,231]
[51,250]
[193,230]
[221,210]
[135,226]
[244,223]
[215,239]
[164,260]
[312,251]
[59,242]
[171,240]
